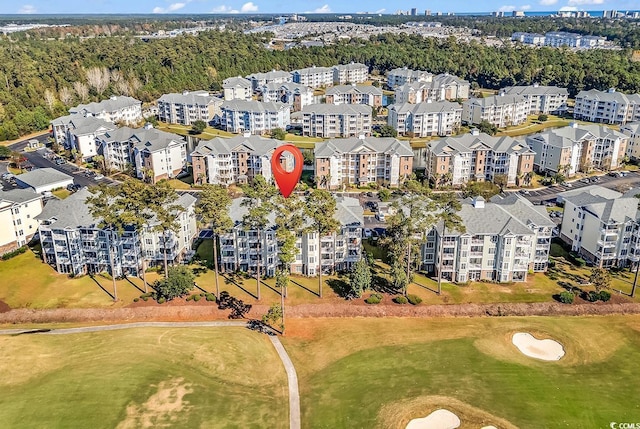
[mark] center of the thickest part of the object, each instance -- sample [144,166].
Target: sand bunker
[439,419]
[539,349]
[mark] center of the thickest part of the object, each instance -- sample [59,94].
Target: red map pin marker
[286,180]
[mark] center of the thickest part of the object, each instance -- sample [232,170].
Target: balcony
[607,243]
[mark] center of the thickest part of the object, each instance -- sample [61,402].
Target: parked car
[366,233]
[380,216]
[98,177]
[613,174]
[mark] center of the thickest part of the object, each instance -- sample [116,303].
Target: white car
[98,177]
[380,216]
[366,233]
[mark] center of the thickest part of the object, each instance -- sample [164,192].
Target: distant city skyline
[312,6]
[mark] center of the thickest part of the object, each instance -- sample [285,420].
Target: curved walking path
[292,377]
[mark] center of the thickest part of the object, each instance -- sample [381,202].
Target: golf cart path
[292,377]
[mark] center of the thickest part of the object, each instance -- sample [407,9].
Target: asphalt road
[621,184]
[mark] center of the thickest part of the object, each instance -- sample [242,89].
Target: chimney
[611,90]
[246,134]
[478,202]
[113,97]
[361,136]
[185,92]
[148,125]
[535,85]
[429,100]
[475,132]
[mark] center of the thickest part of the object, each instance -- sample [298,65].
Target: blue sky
[318,6]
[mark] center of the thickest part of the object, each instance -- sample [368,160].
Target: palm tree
[213,207]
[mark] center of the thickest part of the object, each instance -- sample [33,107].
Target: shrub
[136,299]
[593,296]
[414,299]
[210,297]
[189,298]
[400,299]
[145,298]
[14,253]
[566,297]
[162,300]
[605,296]
[196,298]
[375,298]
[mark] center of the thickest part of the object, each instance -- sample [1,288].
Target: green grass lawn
[368,373]
[27,282]
[155,377]
[61,193]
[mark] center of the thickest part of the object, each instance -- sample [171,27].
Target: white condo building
[498,110]
[313,77]
[273,77]
[441,118]
[401,76]
[241,249]
[254,117]
[73,242]
[237,88]
[116,109]
[542,99]
[188,107]
[331,120]
[18,211]
[609,107]
[293,94]
[505,239]
[79,133]
[632,131]
[350,73]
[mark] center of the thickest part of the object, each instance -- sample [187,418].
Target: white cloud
[548,2]
[324,9]
[28,9]
[507,8]
[224,9]
[381,10]
[172,8]
[249,7]
[581,2]
[525,7]
[568,9]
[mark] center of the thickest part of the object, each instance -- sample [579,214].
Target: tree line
[40,79]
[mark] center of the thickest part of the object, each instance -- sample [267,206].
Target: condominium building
[152,154]
[238,160]
[529,38]
[601,225]
[578,148]
[254,117]
[74,243]
[350,73]
[441,118]
[273,77]
[330,120]
[477,156]
[116,109]
[237,88]
[542,99]
[293,94]
[401,76]
[79,133]
[314,77]
[188,107]
[18,211]
[632,131]
[352,94]
[609,107]
[572,40]
[361,161]
[339,251]
[504,240]
[498,110]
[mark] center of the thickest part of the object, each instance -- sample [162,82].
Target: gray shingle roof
[497,100]
[362,89]
[631,128]
[254,106]
[568,136]
[42,176]
[535,90]
[291,86]
[233,82]
[351,66]
[313,70]
[110,105]
[72,212]
[192,98]
[271,75]
[609,96]
[426,107]
[219,146]
[19,195]
[470,142]
[89,125]
[149,139]
[388,145]
[337,109]
[607,206]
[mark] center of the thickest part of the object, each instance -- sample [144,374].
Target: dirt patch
[398,414]
[4,307]
[161,409]
[209,311]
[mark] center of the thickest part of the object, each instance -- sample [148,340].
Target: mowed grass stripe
[232,378]
[393,361]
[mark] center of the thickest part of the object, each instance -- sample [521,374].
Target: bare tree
[50,99]
[122,86]
[66,96]
[82,90]
[116,76]
[98,78]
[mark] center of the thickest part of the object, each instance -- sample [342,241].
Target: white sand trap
[489,427]
[439,419]
[538,349]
